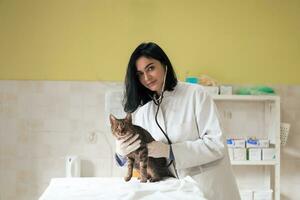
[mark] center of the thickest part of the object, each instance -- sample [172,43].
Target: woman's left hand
[157,149]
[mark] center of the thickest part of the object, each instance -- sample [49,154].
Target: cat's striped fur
[150,168]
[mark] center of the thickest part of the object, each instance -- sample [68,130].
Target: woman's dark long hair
[135,93]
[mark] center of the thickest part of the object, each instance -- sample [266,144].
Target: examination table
[116,188]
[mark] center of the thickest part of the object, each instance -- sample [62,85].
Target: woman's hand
[157,149]
[127,145]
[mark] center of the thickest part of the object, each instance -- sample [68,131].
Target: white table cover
[117,188]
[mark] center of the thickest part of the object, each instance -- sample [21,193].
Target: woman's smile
[151,84]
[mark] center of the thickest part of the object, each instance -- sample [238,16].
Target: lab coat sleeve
[121,160]
[209,147]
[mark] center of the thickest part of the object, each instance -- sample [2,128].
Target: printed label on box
[239,154]
[268,154]
[254,154]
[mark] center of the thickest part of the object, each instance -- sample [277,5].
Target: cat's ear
[128,117]
[112,119]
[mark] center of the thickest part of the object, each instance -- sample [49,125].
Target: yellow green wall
[234,41]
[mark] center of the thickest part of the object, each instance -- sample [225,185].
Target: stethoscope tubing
[158,102]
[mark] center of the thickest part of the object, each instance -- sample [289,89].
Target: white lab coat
[189,117]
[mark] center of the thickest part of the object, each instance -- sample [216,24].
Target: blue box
[191,79]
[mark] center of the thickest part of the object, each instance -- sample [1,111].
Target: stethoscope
[158,102]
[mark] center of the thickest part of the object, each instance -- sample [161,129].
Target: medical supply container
[254,154]
[257,143]
[236,143]
[246,194]
[225,89]
[239,154]
[252,143]
[230,143]
[264,143]
[212,90]
[239,143]
[268,154]
[262,195]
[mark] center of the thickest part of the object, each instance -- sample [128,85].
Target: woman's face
[150,73]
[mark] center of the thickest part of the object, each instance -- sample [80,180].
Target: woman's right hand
[127,145]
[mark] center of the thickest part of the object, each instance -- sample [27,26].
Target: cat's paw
[154,179]
[127,178]
[143,180]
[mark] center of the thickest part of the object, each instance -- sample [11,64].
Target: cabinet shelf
[258,116]
[258,162]
[246,97]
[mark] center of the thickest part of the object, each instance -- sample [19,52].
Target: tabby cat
[150,168]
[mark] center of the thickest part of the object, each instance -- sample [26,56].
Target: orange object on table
[135,173]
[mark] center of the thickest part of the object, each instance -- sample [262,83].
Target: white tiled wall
[43,121]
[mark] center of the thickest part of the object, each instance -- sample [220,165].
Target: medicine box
[268,154]
[246,194]
[263,143]
[257,143]
[236,143]
[230,143]
[212,90]
[254,154]
[225,89]
[262,195]
[239,154]
[239,143]
[252,143]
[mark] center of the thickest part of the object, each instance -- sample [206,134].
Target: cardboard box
[254,154]
[257,143]
[269,154]
[264,143]
[236,143]
[239,154]
[246,194]
[252,143]
[225,89]
[262,195]
[212,90]
[239,143]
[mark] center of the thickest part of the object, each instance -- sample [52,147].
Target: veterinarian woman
[187,115]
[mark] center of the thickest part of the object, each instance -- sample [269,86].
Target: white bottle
[73,166]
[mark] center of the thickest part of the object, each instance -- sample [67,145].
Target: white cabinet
[245,116]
